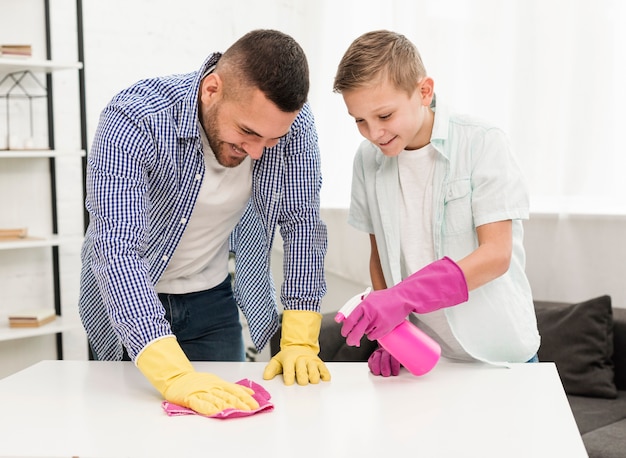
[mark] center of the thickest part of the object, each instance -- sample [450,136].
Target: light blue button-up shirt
[144,173]
[476,181]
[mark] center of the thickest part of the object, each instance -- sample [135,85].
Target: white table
[95,409]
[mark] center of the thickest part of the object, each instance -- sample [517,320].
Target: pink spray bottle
[413,348]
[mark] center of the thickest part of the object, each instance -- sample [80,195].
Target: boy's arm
[376,270]
[492,257]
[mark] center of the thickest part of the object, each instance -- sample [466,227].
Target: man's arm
[118,204]
[305,243]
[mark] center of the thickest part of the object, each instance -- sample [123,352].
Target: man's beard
[220,149]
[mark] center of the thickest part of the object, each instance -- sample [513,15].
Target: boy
[442,198]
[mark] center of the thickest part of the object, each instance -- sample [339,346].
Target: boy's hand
[381,362]
[438,285]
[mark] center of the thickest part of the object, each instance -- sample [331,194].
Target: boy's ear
[427,90]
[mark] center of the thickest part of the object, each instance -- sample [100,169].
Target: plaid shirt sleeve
[142,182]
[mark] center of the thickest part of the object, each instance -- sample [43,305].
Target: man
[184,169]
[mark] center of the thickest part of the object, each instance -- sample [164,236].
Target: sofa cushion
[619,347]
[333,346]
[578,338]
[593,413]
[606,442]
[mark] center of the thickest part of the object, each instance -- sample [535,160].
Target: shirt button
[198,177]
[183,220]
[164,258]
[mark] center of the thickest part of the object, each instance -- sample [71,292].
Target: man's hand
[166,366]
[297,359]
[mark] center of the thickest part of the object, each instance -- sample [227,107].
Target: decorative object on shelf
[16,50]
[32,318]
[20,91]
[13,233]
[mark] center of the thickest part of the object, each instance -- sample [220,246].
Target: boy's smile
[389,117]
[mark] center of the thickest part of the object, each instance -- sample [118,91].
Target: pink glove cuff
[260,395]
[461,283]
[439,284]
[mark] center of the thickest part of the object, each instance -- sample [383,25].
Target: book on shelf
[13,233]
[32,318]
[16,50]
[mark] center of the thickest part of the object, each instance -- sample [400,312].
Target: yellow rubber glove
[166,366]
[299,347]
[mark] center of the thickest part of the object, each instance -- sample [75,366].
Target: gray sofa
[586,341]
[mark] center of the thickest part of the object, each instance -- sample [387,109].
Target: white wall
[576,257]
[568,258]
[522,64]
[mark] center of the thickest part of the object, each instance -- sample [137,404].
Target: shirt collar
[441,126]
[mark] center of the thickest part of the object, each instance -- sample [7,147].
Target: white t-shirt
[415,173]
[200,261]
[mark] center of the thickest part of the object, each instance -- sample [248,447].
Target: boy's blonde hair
[376,55]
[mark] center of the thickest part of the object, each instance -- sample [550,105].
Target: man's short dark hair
[272,62]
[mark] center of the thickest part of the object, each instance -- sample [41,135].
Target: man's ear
[427,90]
[210,87]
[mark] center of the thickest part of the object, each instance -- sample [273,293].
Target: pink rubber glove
[381,362]
[438,285]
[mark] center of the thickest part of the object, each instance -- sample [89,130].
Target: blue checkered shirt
[144,172]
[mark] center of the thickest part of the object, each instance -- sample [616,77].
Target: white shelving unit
[31,242]
[14,65]
[57,326]
[43,241]
[24,154]
[40,160]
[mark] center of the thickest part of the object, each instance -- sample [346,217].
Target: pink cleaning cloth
[260,395]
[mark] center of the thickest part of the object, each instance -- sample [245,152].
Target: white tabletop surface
[107,409]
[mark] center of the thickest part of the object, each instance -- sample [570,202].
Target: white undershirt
[415,173]
[200,260]
[415,170]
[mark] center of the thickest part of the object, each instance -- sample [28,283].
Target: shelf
[37,153]
[37,242]
[53,239]
[12,65]
[54,327]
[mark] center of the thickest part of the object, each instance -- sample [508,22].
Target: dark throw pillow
[578,338]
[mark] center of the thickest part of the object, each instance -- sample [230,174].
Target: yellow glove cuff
[162,362]
[301,327]
[167,367]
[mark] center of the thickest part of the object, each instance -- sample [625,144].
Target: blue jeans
[534,359]
[206,323]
